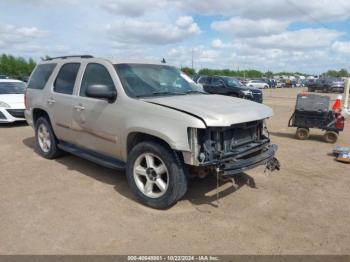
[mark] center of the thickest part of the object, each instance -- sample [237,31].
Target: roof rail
[68,56]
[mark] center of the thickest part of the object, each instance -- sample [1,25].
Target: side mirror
[101,92]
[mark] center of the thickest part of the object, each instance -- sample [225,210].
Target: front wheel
[156,175]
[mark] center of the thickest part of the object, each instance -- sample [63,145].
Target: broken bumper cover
[235,166]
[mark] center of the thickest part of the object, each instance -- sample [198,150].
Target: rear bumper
[10,115]
[234,166]
[29,117]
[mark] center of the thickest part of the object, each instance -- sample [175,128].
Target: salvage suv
[147,119]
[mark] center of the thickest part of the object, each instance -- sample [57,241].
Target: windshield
[231,82]
[7,88]
[144,80]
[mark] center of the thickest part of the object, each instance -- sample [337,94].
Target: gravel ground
[72,206]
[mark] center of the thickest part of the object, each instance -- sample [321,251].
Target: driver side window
[217,81]
[96,74]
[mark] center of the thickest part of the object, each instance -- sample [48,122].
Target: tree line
[18,67]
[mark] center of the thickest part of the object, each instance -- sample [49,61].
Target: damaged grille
[237,140]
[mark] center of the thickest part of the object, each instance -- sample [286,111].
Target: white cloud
[182,56]
[307,50]
[12,34]
[341,47]
[217,43]
[311,10]
[300,39]
[132,8]
[247,27]
[145,32]
[47,2]
[250,34]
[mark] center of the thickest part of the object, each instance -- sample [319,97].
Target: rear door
[61,99]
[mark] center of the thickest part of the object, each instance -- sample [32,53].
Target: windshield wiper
[167,93]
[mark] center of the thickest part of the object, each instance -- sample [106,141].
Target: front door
[95,121]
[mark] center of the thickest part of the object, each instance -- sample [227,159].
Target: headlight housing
[264,131]
[3,104]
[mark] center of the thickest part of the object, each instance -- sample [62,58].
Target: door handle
[51,101]
[79,108]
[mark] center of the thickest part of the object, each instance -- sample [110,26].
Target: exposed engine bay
[235,148]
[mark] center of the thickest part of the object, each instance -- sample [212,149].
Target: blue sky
[280,35]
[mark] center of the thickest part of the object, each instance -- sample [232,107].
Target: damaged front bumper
[232,150]
[234,165]
[246,157]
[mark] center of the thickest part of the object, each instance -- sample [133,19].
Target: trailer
[312,111]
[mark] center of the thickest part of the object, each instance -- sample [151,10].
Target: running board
[93,156]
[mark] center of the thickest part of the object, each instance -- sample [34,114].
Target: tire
[156,175]
[46,141]
[330,137]
[302,133]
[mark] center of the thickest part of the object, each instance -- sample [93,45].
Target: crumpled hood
[216,110]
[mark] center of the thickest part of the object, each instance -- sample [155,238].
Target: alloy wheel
[151,175]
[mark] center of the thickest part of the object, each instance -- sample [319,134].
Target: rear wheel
[302,133]
[330,137]
[45,139]
[156,175]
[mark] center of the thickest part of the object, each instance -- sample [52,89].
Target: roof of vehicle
[10,80]
[111,60]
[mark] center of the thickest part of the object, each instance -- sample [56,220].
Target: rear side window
[66,77]
[40,76]
[96,74]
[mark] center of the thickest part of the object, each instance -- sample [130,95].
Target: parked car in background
[146,119]
[11,100]
[270,82]
[329,84]
[3,77]
[279,84]
[229,86]
[257,84]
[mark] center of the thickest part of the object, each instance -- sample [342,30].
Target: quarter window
[96,74]
[65,80]
[40,76]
